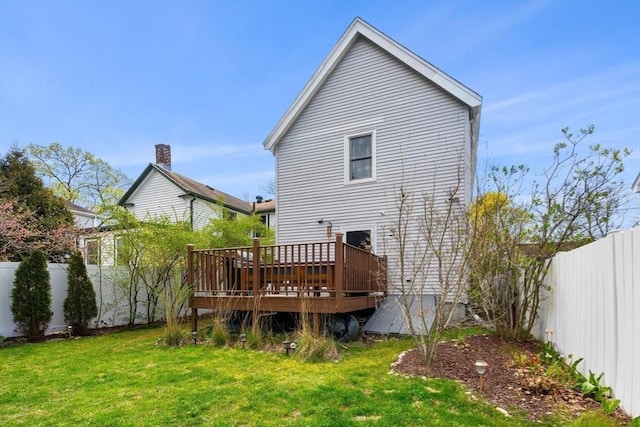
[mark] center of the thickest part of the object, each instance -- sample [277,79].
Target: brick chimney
[163,156]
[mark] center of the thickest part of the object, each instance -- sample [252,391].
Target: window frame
[347,157]
[117,239]
[372,228]
[93,259]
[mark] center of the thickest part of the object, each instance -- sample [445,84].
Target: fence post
[339,267]
[194,311]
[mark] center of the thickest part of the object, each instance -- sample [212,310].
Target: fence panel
[111,298]
[593,307]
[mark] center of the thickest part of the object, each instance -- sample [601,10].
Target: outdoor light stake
[243,339]
[288,345]
[481,367]
[70,330]
[194,335]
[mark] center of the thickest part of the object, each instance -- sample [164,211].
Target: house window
[92,251]
[360,157]
[120,252]
[360,239]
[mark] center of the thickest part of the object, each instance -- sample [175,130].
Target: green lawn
[125,379]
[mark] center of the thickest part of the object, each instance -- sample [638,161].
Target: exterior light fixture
[194,336]
[70,331]
[289,346]
[243,339]
[481,368]
[329,226]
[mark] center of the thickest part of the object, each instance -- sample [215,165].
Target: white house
[266,209]
[160,191]
[82,217]
[373,118]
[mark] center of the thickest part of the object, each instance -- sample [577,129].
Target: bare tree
[428,259]
[577,199]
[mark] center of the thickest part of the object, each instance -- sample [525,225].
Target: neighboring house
[160,191]
[266,209]
[83,218]
[374,117]
[636,185]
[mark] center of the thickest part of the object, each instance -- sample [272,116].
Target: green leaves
[31,296]
[79,176]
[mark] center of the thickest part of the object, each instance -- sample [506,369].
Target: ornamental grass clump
[173,335]
[311,347]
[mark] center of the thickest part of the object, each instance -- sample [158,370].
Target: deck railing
[320,269]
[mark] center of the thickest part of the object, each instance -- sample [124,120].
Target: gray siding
[421,140]
[157,196]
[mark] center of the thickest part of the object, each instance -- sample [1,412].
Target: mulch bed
[501,386]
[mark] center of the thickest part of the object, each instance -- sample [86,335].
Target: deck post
[316,324]
[190,281]
[256,283]
[339,268]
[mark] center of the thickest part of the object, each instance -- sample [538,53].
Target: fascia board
[309,89]
[430,72]
[358,26]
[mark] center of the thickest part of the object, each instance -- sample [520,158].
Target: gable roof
[266,206]
[191,187]
[79,209]
[360,28]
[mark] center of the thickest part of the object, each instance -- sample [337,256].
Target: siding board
[421,137]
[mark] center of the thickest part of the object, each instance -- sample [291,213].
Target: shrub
[31,296]
[219,335]
[312,348]
[80,305]
[174,335]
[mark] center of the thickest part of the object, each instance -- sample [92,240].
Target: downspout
[192,199]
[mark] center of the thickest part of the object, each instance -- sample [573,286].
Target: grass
[125,379]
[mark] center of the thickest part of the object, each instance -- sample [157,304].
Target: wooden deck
[322,277]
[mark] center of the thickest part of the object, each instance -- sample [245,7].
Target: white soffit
[360,27]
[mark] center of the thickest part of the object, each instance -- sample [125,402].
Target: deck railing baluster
[332,274]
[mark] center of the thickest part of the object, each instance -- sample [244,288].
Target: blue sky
[212,78]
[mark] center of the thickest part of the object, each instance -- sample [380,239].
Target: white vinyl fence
[112,299]
[593,309]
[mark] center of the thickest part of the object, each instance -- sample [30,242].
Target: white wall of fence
[111,297]
[593,308]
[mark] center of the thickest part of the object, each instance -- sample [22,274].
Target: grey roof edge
[228,200]
[359,27]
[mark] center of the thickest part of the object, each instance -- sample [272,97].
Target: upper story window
[360,157]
